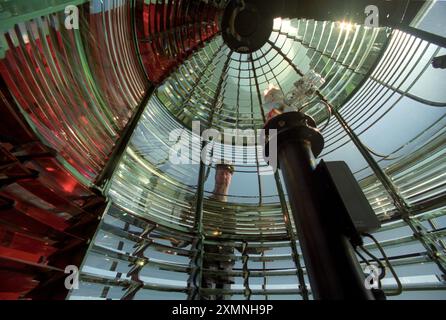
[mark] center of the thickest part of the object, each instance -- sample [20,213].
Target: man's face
[223,176]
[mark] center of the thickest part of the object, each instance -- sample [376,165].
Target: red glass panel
[169,31]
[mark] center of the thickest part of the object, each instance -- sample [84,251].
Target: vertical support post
[246,273]
[333,269]
[196,277]
[198,245]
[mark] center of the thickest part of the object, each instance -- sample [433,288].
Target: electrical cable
[364,260]
[392,270]
[380,264]
[328,108]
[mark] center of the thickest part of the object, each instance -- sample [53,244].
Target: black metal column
[332,266]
